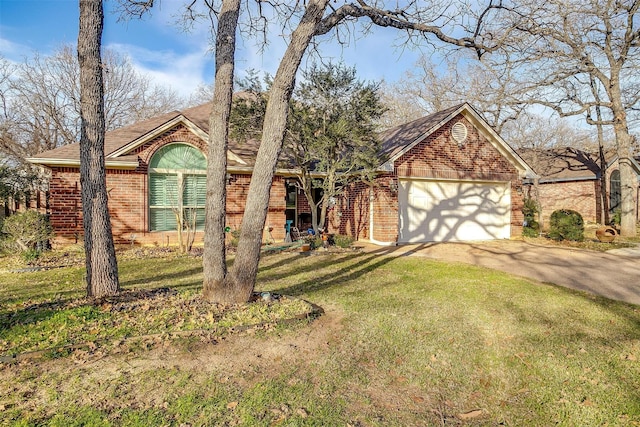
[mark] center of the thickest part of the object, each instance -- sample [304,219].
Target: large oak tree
[100,256]
[581,58]
[427,22]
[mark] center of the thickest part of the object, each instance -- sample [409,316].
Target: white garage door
[440,211]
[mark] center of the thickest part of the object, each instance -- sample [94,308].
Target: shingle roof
[116,139]
[113,139]
[397,139]
[562,163]
[394,141]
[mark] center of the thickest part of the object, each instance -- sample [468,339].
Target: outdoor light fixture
[393,185]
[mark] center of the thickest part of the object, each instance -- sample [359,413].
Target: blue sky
[182,60]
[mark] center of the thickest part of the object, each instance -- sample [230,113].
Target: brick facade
[581,196]
[436,157]
[350,215]
[128,198]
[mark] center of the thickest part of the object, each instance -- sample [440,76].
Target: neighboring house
[570,178]
[35,201]
[445,177]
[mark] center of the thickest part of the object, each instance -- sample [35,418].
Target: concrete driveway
[614,274]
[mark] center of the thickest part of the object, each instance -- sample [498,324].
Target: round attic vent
[459,133]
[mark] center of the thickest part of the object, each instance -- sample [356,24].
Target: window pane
[162,219]
[195,190]
[615,191]
[163,190]
[178,156]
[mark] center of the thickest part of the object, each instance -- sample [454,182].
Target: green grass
[412,342]
[62,318]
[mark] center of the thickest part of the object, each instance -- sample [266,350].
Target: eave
[73,163]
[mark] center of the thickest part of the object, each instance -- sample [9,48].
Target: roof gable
[120,143]
[399,140]
[569,164]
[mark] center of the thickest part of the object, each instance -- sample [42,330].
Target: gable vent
[459,133]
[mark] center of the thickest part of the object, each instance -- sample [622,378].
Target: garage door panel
[433,211]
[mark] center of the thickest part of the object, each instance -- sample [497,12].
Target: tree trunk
[627,186]
[306,183]
[215,288]
[245,267]
[101,264]
[329,190]
[604,193]
[628,179]
[313,206]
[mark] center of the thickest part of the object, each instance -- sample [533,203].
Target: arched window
[615,196]
[177,187]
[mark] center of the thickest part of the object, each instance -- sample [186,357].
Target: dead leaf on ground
[302,413]
[471,414]
[417,399]
[587,402]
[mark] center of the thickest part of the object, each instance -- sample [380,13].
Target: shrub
[28,230]
[30,255]
[235,238]
[314,240]
[531,227]
[342,241]
[615,218]
[566,224]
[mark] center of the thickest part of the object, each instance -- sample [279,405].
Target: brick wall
[437,157]
[580,196]
[385,209]
[128,199]
[65,203]
[350,215]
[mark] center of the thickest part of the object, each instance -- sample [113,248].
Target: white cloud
[12,51]
[183,72]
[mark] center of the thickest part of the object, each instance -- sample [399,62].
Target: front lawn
[403,341]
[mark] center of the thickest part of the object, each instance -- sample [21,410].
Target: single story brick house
[445,177]
[570,178]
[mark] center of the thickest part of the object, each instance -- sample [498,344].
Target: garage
[442,211]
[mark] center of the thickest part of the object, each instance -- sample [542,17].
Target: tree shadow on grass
[37,312]
[152,276]
[359,265]
[304,264]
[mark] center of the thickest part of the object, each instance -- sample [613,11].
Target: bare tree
[420,22]
[215,284]
[100,256]
[402,107]
[539,131]
[434,85]
[562,48]
[7,138]
[41,100]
